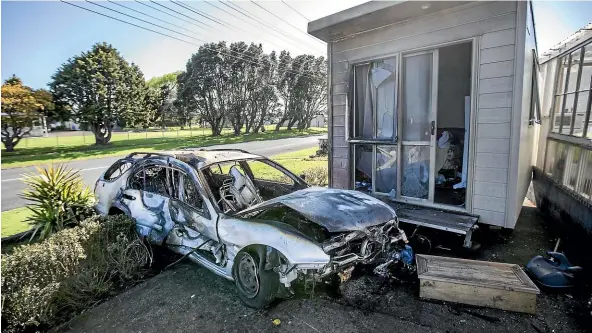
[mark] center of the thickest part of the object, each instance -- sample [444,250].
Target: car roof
[201,158]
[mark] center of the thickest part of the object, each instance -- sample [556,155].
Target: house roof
[579,37]
[372,15]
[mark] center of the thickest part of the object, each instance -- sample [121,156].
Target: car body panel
[296,248]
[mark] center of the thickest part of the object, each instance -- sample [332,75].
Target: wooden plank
[339,120]
[492,160]
[494,116]
[490,217]
[452,269]
[490,189]
[339,99]
[338,130]
[500,131]
[493,175]
[497,54]
[496,85]
[473,295]
[498,38]
[339,88]
[495,100]
[489,203]
[338,110]
[493,146]
[497,69]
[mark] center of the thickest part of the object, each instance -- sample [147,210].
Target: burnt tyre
[256,287]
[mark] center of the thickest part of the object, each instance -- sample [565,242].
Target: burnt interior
[216,177]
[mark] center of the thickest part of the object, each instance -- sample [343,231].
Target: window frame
[203,210]
[560,94]
[350,114]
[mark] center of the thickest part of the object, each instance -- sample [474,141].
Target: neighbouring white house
[430,107]
[562,182]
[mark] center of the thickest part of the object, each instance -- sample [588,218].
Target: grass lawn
[299,161]
[50,154]
[12,221]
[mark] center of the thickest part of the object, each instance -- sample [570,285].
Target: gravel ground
[188,298]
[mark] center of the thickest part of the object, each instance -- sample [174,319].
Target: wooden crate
[480,283]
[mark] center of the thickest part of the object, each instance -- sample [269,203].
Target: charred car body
[249,220]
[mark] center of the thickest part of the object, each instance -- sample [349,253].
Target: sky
[38,36]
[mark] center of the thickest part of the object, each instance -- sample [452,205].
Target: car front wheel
[256,287]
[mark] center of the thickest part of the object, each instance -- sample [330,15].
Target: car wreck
[251,221]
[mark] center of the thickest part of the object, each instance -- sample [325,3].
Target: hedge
[46,283]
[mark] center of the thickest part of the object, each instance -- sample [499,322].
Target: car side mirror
[303,176]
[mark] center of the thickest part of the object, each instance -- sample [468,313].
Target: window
[167,182]
[372,114]
[573,93]
[116,170]
[265,172]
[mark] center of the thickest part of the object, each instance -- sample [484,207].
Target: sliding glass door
[418,125]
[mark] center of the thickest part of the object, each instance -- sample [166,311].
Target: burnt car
[250,220]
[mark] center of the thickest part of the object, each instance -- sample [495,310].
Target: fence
[78,138]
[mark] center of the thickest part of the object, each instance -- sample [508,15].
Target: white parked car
[248,219]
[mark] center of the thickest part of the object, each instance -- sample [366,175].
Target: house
[562,182]
[430,108]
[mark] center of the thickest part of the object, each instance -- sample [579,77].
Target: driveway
[188,298]
[12,184]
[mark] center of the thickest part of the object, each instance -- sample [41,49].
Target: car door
[188,205]
[148,200]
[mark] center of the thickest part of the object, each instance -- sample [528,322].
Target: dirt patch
[188,298]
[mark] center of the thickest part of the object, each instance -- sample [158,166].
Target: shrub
[59,199]
[46,283]
[317,176]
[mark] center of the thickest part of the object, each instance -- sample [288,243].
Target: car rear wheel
[256,287]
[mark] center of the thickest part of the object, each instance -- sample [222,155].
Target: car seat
[239,192]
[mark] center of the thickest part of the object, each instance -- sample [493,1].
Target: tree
[263,100]
[19,109]
[164,88]
[101,88]
[312,91]
[205,85]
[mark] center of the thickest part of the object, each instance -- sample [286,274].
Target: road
[12,184]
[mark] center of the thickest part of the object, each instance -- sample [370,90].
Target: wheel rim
[248,277]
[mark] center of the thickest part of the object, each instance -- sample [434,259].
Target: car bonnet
[336,210]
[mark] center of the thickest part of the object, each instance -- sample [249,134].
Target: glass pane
[363,167]
[550,156]
[574,166]
[558,166]
[586,68]
[266,172]
[557,114]
[567,113]
[386,169]
[416,171]
[375,94]
[585,187]
[562,72]
[383,80]
[417,84]
[581,106]
[362,117]
[574,68]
